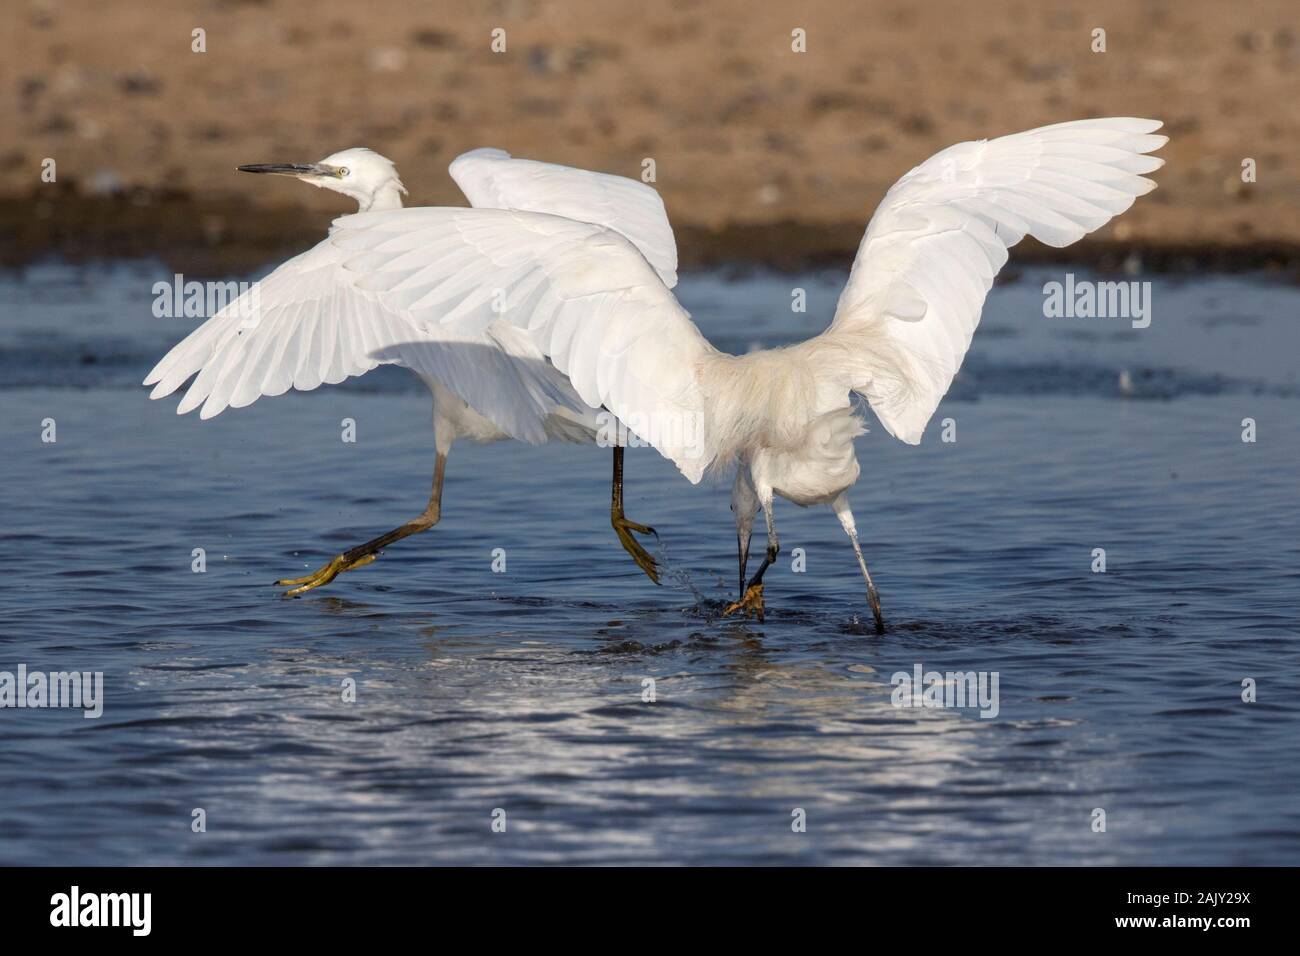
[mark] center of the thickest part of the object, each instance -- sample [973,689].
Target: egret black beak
[290,169]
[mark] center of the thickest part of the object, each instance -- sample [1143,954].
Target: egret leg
[364,554]
[744,505]
[624,528]
[751,602]
[841,506]
[742,551]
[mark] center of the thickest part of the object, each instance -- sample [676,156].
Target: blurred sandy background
[761,153]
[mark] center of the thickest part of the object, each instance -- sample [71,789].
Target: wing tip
[693,472]
[480,152]
[188,403]
[909,432]
[1147,124]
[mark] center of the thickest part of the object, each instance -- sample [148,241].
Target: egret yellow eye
[343,171]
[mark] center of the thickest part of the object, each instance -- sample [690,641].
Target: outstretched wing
[585,294]
[493,179]
[306,323]
[942,233]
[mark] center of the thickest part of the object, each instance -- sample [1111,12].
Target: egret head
[360,173]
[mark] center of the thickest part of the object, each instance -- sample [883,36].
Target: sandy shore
[761,153]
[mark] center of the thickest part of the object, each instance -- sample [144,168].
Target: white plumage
[574,267]
[492,179]
[311,323]
[942,233]
[583,293]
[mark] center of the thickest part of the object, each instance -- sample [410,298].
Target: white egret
[308,323]
[591,299]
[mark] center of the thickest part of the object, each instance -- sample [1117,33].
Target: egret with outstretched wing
[309,322]
[596,302]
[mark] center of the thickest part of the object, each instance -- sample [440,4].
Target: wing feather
[311,322]
[583,293]
[493,179]
[939,237]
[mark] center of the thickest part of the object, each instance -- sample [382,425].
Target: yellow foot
[322,575]
[624,528]
[751,603]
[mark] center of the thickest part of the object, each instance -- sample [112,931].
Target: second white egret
[308,322]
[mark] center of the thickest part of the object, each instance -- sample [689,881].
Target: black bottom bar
[215,905]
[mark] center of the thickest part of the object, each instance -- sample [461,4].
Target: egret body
[311,327]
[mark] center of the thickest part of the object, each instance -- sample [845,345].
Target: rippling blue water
[523,690]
